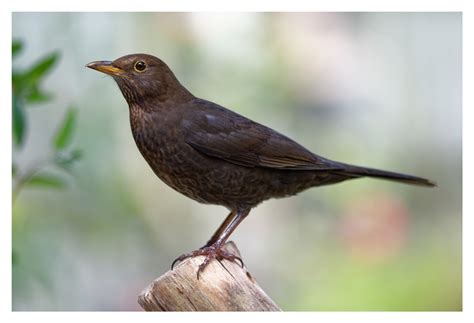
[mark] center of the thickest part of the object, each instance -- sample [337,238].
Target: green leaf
[37,96]
[14,170]
[64,134]
[19,121]
[46,180]
[17,46]
[17,85]
[40,69]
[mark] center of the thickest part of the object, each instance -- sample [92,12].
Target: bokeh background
[375,89]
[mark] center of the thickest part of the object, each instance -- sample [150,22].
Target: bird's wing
[220,133]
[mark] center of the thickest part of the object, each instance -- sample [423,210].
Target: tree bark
[222,286]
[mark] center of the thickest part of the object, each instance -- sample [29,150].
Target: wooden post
[222,286]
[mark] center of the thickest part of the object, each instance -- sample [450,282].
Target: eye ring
[140,66]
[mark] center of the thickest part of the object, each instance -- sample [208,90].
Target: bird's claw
[210,252]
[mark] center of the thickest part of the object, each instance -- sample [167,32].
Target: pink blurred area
[375,229]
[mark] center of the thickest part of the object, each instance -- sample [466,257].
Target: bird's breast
[162,144]
[156,138]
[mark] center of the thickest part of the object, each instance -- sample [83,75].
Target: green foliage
[48,180]
[37,96]
[26,84]
[17,46]
[27,91]
[64,134]
[19,121]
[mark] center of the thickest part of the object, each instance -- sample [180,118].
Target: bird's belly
[205,179]
[198,177]
[215,181]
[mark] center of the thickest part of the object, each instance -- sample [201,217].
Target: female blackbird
[214,155]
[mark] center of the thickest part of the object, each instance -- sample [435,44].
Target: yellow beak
[105,67]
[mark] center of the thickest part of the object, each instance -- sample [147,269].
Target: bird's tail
[358,171]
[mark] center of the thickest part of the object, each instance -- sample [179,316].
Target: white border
[245,5]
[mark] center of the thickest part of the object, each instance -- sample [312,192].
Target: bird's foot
[209,252]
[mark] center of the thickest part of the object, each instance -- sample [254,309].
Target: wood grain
[223,286]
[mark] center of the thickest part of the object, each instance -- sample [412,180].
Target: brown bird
[214,155]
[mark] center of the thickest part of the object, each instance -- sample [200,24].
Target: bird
[214,155]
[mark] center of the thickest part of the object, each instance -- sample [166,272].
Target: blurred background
[94,226]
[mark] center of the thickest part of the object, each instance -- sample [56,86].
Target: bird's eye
[140,66]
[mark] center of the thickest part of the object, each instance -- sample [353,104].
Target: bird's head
[143,77]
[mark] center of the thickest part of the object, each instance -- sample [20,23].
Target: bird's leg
[221,228]
[212,240]
[212,250]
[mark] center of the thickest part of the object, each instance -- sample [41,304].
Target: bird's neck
[168,91]
[175,94]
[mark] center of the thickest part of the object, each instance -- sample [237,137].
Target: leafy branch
[27,91]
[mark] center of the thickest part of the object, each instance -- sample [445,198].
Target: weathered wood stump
[222,286]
